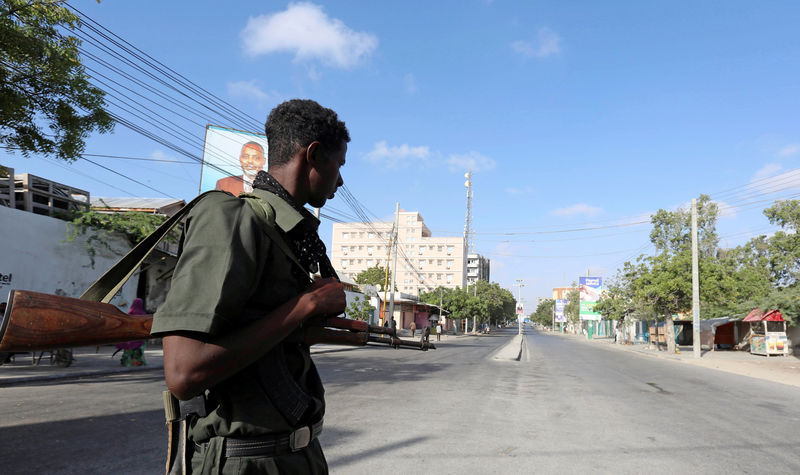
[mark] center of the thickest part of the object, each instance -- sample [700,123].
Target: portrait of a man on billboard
[252,160]
[231,159]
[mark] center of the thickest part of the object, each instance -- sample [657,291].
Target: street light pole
[520,285]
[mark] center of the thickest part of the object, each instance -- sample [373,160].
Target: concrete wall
[35,255]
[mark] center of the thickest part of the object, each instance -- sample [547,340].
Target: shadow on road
[122,443]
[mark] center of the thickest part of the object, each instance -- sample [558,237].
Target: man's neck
[288,178]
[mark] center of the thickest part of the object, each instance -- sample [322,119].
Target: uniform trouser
[309,460]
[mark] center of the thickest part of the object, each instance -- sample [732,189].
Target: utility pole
[386,276]
[695,285]
[467,243]
[394,258]
[519,286]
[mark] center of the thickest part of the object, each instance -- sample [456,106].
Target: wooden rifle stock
[36,321]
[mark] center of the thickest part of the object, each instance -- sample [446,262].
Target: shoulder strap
[267,213]
[104,288]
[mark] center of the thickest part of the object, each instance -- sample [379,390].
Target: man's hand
[192,365]
[327,296]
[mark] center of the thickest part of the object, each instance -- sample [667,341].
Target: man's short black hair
[294,124]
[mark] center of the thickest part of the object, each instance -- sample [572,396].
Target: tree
[573,306]
[360,309]
[544,312]
[47,104]
[488,302]
[784,245]
[618,300]
[373,276]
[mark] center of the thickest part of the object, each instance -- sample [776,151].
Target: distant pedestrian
[133,351]
[438,332]
[413,329]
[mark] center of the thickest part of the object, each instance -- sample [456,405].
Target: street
[568,406]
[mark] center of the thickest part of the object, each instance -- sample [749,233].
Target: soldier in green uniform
[240,294]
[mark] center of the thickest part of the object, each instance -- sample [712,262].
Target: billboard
[231,159]
[520,308]
[561,304]
[590,290]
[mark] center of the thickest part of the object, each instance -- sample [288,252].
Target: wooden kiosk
[767,333]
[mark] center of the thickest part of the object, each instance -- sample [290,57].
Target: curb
[22,380]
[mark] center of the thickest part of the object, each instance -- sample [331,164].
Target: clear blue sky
[571,114]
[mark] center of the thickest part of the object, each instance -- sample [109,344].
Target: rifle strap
[104,288]
[267,214]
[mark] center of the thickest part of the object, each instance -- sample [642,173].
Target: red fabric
[757,316]
[137,308]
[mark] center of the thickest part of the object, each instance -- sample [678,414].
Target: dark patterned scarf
[304,240]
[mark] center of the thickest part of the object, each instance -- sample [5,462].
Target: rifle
[36,321]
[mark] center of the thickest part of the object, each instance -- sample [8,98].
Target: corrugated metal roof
[135,203]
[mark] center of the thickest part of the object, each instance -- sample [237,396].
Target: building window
[439,262]
[371,235]
[449,264]
[439,248]
[344,263]
[369,250]
[438,276]
[449,250]
[344,250]
[345,235]
[369,262]
[449,278]
[421,263]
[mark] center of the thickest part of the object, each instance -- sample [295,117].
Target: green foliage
[573,306]
[360,309]
[373,276]
[135,226]
[785,299]
[42,81]
[784,245]
[488,302]
[544,312]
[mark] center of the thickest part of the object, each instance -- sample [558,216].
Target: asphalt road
[568,406]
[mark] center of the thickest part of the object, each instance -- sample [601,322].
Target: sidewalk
[778,369]
[88,361]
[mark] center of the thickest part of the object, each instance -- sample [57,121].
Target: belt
[267,445]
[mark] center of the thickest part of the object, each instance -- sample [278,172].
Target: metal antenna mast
[469,231]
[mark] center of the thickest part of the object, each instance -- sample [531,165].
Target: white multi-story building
[477,268]
[424,262]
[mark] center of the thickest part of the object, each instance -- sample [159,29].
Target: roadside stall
[767,333]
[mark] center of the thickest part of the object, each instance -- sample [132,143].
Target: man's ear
[314,153]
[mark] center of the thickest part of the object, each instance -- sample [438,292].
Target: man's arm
[192,365]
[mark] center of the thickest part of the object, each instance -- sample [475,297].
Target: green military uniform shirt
[230,273]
